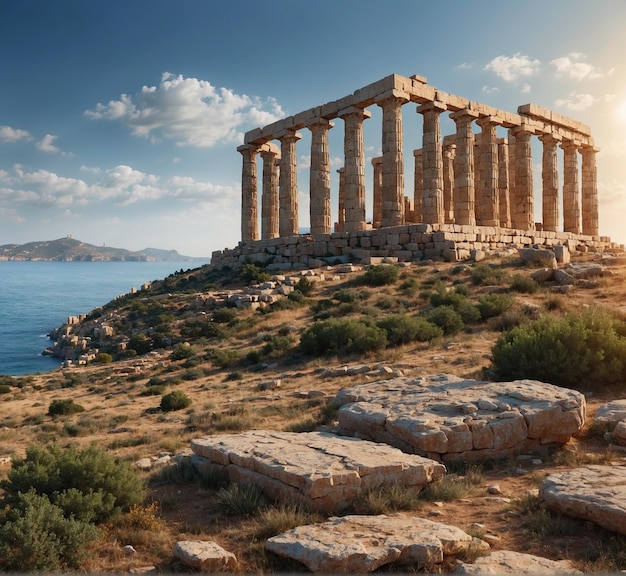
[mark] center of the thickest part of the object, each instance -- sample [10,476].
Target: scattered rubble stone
[205,556]
[504,562]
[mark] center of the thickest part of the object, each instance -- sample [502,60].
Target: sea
[36,297]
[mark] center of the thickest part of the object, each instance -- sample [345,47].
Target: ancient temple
[472,186]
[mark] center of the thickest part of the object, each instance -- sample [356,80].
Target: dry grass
[129,425]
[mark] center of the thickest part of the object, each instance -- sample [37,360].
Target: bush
[457,300]
[381,275]
[486,274]
[305,286]
[5,388]
[182,352]
[140,343]
[104,358]
[87,484]
[523,284]
[342,336]
[491,305]
[447,318]
[224,315]
[252,273]
[585,351]
[175,400]
[223,358]
[37,536]
[64,407]
[403,329]
[346,295]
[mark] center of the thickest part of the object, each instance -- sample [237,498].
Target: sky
[120,119]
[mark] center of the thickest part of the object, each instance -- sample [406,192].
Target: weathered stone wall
[406,243]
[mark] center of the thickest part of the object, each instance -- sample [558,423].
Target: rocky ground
[290,392]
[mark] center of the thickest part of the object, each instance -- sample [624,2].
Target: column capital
[522,129]
[354,110]
[569,145]
[269,149]
[392,95]
[377,160]
[434,106]
[550,138]
[418,152]
[464,113]
[248,148]
[487,120]
[589,149]
[320,122]
[287,135]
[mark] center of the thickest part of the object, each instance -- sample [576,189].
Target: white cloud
[511,68]
[576,102]
[8,134]
[573,66]
[11,215]
[526,89]
[464,66]
[490,89]
[46,144]
[189,111]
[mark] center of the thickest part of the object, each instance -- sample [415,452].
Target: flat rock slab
[448,418]
[204,555]
[504,562]
[596,493]
[325,470]
[360,544]
[612,412]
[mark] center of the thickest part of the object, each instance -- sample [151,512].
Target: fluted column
[393,157]
[354,168]
[319,183]
[377,219]
[269,198]
[449,149]
[512,156]
[550,183]
[288,184]
[571,191]
[249,194]
[489,201]
[522,214]
[432,204]
[504,183]
[590,217]
[418,186]
[341,208]
[464,198]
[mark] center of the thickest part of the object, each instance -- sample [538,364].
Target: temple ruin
[471,190]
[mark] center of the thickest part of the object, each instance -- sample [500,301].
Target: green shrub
[346,295]
[240,500]
[223,358]
[381,275]
[252,273]
[64,407]
[5,388]
[175,400]
[140,343]
[342,336]
[182,351]
[305,286]
[195,328]
[486,274]
[104,358]
[585,351]
[457,300]
[153,390]
[36,536]
[224,315]
[447,318]
[403,329]
[491,305]
[523,284]
[87,484]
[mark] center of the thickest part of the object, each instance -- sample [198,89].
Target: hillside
[241,365]
[71,250]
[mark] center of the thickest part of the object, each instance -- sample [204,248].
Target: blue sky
[119,120]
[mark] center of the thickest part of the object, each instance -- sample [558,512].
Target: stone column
[464,199]
[550,183]
[377,163]
[249,195]
[432,204]
[591,223]
[418,186]
[319,186]
[571,191]
[512,156]
[354,168]
[449,149]
[341,216]
[489,201]
[504,183]
[269,198]
[288,184]
[393,157]
[522,214]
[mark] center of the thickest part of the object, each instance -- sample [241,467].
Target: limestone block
[445,417]
[619,433]
[543,275]
[596,493]
[538,257]
[505,562]
[362,544]
[563,278]
[205,556]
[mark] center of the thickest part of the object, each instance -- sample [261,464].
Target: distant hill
[70,250]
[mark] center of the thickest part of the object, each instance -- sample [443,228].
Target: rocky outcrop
[504,562]
[596,493]
[360,544]
[205,556]
[447,418]
[327,471]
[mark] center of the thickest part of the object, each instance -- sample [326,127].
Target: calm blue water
[36,297]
